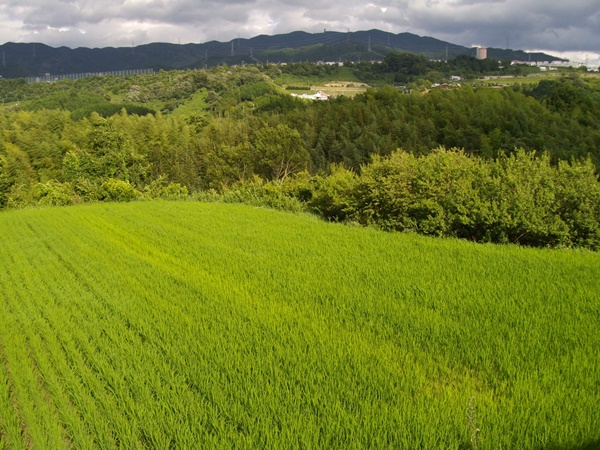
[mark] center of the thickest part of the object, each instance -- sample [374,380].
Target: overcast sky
[561,27]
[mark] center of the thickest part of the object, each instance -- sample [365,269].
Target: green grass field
[190,325]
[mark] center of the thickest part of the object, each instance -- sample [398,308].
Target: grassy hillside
[179,325]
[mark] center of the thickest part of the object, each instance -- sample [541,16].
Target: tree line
[245,134]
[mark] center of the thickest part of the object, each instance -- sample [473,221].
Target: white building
[318,96]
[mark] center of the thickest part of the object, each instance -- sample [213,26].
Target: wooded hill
[35,59]
[517,164]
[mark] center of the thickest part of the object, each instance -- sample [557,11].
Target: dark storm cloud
[560,25]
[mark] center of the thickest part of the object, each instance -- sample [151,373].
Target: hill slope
[168,324]
[35,59]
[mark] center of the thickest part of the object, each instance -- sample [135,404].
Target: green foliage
[83,102]
[256,192]
[572,98]
[5,181]
[86,189]
[434,195]
[110,109]
[230,125]
[306,69]
[281,152]
[16,176]
[526,201]
[160,188]
[578,197]
[12,90]
[19,195]
[55,193]
[106,153]
[468,65]
[332,196]
[35,139]
[297,88]
[562,120]
[519,198]
[279,104]
[484,122]
[112,190]
[409,67]
[253,90]
[405,66]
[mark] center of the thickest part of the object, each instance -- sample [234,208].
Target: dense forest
[513,164]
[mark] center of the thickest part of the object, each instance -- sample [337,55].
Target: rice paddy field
[190,325]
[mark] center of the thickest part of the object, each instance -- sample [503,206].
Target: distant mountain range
[34,59]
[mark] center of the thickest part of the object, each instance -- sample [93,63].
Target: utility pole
[369,46]
[232,48]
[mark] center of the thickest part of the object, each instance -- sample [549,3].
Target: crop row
[157,325]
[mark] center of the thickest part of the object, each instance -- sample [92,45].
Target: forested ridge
[36,59]
[516,164]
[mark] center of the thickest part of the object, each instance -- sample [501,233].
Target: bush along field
[521,199]
[525,172]
[187,325]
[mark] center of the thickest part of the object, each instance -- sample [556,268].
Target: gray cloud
[552,25]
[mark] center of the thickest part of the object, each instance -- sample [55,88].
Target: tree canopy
[196,130]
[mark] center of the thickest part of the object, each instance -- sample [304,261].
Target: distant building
[481,52]
[318,96]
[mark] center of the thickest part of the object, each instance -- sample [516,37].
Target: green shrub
[159,188]
[333,196]
[113,190]
[521,198]
[525,199]
[578,198]
[55,193]
[86,189]
[19,195]
[257,192]
[434,195]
